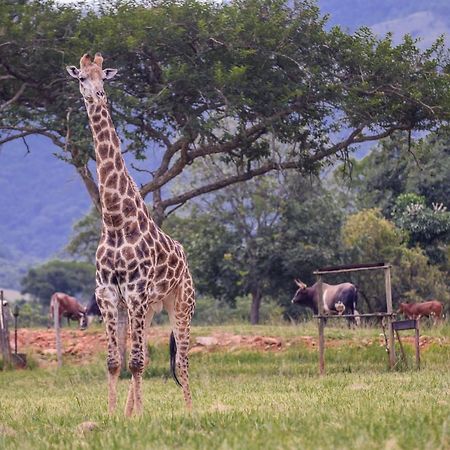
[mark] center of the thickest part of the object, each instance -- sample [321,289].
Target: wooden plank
[343,316]
[57,333]
[404,324]
[354,269]
[328,269]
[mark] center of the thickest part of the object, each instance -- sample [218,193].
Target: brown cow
[431,308]
[68,307]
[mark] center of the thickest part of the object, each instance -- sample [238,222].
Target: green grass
[242,400]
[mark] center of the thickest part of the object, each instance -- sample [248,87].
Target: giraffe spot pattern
[103,150]
[128,207]
[112,201]
[111,181]
[103,136]
[132,233]
[112,151]
[114,138]
[105,170]
[118,162]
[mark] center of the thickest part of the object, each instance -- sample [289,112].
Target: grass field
[242,400]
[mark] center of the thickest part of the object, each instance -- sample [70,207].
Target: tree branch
[15,97]
[219,184]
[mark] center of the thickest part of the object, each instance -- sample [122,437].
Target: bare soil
[82,347]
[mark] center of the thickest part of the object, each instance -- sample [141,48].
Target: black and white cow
[337,298]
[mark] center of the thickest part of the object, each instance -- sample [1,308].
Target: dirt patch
[82,347]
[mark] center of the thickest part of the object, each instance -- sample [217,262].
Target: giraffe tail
[173,354]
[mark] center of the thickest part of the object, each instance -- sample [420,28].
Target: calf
[68,307]
[431,308]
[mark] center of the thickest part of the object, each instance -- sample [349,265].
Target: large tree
[234,82]
[70,277]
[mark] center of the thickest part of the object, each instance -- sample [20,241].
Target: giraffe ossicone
[137,264]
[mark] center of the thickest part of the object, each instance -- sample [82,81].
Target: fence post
[4,334]
[321,326]
[122,334]
[387,279]
[56,322]
[417,344]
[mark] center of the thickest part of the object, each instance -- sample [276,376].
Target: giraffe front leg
[137,360]
[107,300]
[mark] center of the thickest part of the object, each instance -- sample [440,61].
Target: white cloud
[424,24]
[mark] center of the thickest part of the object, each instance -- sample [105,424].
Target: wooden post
[321,326]
[391,343]
[57,333]
[122,334]
[401,347]
[417,342]
[4,334]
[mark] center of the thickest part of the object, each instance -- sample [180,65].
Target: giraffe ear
[73,71]
[108,74]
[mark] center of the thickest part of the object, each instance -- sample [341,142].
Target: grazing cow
[92,311]
[431,308]
[337,299]
[68,307]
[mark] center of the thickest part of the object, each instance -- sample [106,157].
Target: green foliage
[232,81]
[210,311]
[369,237]
[210,247]
[85,237]
[70,277]
[258,237]
[32,314]
[390,170]
[425,225]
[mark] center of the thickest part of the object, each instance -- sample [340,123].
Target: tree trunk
[256,303]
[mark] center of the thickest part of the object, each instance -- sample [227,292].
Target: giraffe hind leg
[180,307]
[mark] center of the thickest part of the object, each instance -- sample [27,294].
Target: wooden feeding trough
[412,324]
[388,315]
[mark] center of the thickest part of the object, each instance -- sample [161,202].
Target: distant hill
[41,196]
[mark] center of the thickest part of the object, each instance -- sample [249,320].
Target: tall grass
[245,399]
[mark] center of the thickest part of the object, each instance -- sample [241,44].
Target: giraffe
[138,266]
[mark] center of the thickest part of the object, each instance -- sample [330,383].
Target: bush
[209,311]
[31,314]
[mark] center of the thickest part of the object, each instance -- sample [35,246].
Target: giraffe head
[91,76]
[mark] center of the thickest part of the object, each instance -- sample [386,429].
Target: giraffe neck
[119,197]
